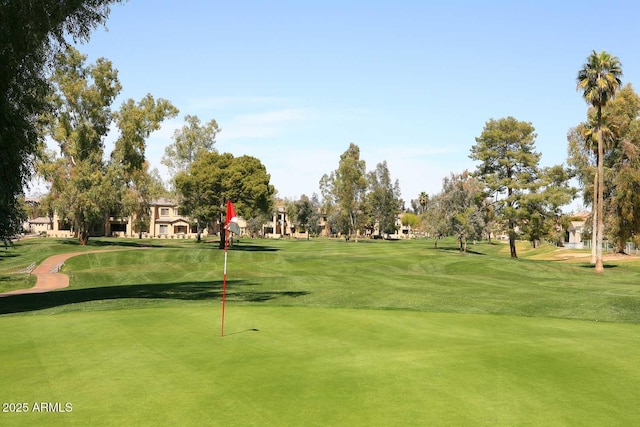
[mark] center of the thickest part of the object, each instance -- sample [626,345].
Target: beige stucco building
[575,231]
[166,222]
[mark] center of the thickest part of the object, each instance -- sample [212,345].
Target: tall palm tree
[589,135]
[423,200]
[599,80]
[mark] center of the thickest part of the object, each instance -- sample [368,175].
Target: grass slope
[324,273]
[323,333]
[314,366]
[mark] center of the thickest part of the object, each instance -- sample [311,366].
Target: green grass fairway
[323,333]
[317,366]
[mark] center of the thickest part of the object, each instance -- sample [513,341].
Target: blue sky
[410,82]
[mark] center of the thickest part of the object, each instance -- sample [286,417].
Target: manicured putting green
[305,366]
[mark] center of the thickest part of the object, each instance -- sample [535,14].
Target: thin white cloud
[233,102]
[410,153]
[262,125]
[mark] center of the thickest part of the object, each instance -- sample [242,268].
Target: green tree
[328,206]
[201,188]
[411,220]
[308,214]
[622,168]
[508,167]
[213,179]
[582,159]
[347,186]
[136,121]
[85,189]
[620,129]
[30,31]
[135,198]
[291,214]
[80,121]
[190,141]
[423,201]
[599,80]
[461,205]
[436,218]
[540,209]
[419,205]
[383,199]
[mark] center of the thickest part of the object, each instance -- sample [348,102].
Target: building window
[176,211]
[164,229]
[119,227]
[180,229]
[164,211]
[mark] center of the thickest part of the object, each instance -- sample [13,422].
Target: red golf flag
[231,222]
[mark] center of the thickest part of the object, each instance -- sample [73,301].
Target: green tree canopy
[436,218]
[621,177]
[136,121]
[540,208]
[461,205]
[30,32]
[82,100]
[347,187]
[308,213]
[383,199]
[508,166]
[214,178]
[138,186]
[85,188]
[419,205]
[190,141]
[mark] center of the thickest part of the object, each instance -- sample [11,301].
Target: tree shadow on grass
[4,255]
[456,249]
[185,291]
[589,265]
[252,248]
[107,243]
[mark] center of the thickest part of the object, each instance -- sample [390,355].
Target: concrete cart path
[46,280]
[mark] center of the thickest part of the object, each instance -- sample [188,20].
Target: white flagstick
[224,280]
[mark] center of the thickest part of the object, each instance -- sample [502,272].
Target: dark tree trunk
[83,238]
[512,239]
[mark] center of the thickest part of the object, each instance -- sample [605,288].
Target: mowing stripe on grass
[318,366]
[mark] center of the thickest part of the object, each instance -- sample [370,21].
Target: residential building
[576,230]
[280,226]
[166,222]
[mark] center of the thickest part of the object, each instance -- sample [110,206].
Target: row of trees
[508,193]
[72,105]
[620,165]
[604,156]
[30,33]
[87,187]
[356,200]
[46,89]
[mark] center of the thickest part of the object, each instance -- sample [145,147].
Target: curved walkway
[47,281]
